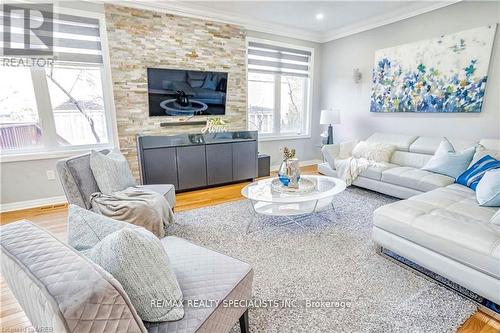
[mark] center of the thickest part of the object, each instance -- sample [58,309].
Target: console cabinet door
[244,160]
[219,163]
[160,166]
[191,167]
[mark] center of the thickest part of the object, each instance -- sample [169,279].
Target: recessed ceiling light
[319,16]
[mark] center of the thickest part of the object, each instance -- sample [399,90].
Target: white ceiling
[298,18]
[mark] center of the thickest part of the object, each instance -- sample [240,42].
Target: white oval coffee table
[267,201]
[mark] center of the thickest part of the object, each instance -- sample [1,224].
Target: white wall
[357,51]
[307,149]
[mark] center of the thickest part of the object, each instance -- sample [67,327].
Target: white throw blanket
[350,168]
[135,205]
[363,156]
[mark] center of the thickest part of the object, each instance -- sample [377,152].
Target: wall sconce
[356,75]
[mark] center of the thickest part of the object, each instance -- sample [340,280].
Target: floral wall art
[444,74]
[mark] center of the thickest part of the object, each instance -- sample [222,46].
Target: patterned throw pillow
[488,189]
[86,228]
[447,161]
[111,171]
[137,259]
[473,175]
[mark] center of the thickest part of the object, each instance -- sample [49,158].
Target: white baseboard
[8,207]
[301,163]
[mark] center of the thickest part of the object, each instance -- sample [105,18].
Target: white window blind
[74,38]
[270,59]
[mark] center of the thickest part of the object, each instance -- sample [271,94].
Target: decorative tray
[305,186]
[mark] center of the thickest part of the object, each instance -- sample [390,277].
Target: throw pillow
[482,151]
[447,162]
[137,259]
[488,189]
[378,152]
[473,174]
[210,82]
[496,218]
[86,228]
[111,171]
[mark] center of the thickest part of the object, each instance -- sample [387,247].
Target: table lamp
[330,117]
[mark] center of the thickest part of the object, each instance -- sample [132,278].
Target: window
[279,89]
[61,106]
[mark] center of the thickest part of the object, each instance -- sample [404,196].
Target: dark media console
[191,161]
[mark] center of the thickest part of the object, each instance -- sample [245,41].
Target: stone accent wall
[139,39]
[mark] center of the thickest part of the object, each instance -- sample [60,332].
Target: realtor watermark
[253,303]
[28,35]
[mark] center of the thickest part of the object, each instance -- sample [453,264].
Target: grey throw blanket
[137,206]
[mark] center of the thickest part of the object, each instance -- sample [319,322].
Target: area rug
[329,269]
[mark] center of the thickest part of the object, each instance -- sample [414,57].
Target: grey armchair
[79,183]
[62,291]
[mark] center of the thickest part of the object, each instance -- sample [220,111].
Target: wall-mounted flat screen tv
[174,92]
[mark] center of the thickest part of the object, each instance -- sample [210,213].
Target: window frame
[277,94]
[42,97]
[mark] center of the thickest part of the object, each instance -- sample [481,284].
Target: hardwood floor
[53,218]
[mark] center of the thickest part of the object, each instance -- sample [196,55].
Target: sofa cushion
[86,228]
[493,144]
[429,145]
[401,141]
[111,171]
[207,93]
[204,274]
[416,179]
[448,221]
[167,190]
[137,259]
[404,158]
[375,172]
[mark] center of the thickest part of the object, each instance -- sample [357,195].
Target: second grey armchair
[79,183]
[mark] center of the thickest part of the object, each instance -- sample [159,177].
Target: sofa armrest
[337,151]
[59,288]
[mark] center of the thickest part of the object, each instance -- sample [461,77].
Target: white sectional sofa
[441,225]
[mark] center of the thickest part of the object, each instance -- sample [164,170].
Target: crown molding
[381,20]
[187,9]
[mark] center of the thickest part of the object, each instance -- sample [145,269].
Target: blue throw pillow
[210,82]
[488,189]
[473,175]
[447,161]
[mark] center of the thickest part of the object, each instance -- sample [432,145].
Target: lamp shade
[330,117]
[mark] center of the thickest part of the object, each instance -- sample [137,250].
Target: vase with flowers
[289,171]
